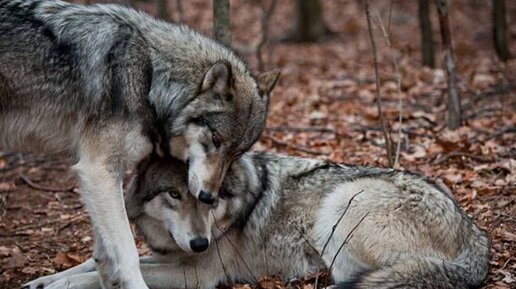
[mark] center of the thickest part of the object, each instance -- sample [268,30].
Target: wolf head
[217,126]
[160,191]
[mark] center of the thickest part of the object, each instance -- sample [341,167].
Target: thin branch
[334,228]
[387,37]
[346,240]
[180,10]
[321,129]
[80,219]
[236,250]
[220,258]
[266,13]
[449,155]
[184,274]
[386,135]
[43,188]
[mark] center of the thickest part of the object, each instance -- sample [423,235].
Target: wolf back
[405,231]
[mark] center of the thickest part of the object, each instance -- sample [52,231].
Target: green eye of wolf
[174,195]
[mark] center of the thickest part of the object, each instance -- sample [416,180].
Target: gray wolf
[109,85]
[374,227]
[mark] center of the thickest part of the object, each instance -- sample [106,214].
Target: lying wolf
[374,227]
[108,85]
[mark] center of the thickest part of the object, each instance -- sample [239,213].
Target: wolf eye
[174,194]
[200,121]
[215,140]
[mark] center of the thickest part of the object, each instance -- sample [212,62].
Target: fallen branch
[449,155]
[79,219]
[321,129]
[295,147]
[43,188]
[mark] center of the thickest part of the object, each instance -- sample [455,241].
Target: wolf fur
[275,215]
[109,85]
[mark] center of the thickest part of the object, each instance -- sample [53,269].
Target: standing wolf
[275,215]
[108,85]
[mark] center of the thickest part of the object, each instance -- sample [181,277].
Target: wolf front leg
[101,191]
[44,281]
[157,276]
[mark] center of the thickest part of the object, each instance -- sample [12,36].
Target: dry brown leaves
[324,107]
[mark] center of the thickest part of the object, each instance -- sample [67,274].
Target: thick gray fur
[109,85]
[275,215]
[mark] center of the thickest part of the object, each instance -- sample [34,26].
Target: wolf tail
[468,270]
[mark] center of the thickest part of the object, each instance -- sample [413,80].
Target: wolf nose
[199,244]
[206,198]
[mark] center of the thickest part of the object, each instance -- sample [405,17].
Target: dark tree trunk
[427,43]
[308,24]
[221,21]
[500,30]
[162,9]
[454,107]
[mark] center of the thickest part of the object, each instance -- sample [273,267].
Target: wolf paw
[40,283]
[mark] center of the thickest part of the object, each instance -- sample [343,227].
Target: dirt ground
[324,108]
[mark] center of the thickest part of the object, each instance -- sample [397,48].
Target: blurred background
[456,126]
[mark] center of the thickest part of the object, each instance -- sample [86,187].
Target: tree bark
[162,9]
[454,107]
[427,43]
[221,21]
[308,24]
[500,30]
[386,133]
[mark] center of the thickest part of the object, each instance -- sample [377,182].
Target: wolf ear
[267,81]
[219,78]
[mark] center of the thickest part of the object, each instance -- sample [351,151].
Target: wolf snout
[206,197]
[199,244]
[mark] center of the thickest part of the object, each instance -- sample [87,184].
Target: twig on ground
[386,135]
[43,188]
[449,155]
[71,221]
[296,147]
[320,129]
[510,129]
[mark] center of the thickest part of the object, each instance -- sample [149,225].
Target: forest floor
[323,107]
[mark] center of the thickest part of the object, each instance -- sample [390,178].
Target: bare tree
[454,107]
[500,30]
[265,16]
[308,24]
[221,21]
[427,43]
[386,134]
[180,11]
[162,9]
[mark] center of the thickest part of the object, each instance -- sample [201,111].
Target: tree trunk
[500,30]
[427,43]
[308,24]
[162,9]
[221,21]
[454,107]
